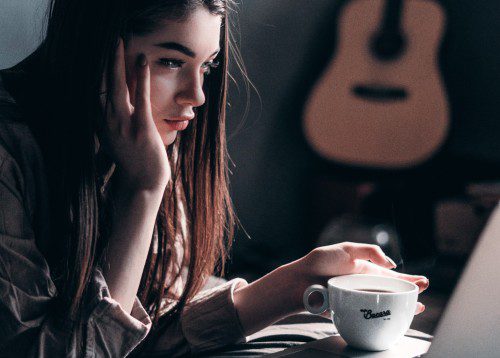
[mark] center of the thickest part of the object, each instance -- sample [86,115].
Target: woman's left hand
[352,258]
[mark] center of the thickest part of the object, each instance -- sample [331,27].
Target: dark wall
[471,66]
[285,45]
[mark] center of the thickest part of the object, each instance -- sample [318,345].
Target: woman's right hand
[347,258]
[129,134]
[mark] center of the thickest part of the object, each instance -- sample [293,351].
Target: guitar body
[378,112]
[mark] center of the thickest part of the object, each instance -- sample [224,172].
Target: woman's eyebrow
[181,48]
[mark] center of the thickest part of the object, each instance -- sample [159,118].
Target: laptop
[470,325]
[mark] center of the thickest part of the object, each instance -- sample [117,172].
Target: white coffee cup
[372,321]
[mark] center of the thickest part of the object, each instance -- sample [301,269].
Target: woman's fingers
[421,281]
[142,105]
[420,308]
[369,252]
[367,267]
[120,97]
[372,260]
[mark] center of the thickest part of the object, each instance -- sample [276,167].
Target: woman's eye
[171,63]
[208,66]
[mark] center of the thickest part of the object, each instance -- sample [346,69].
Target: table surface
[414,344]
[293,333]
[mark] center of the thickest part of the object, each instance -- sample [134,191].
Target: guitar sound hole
[380,93]
[388,46]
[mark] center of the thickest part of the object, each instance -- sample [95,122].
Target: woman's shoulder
[20,157]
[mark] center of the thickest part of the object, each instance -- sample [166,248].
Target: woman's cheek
[162,94]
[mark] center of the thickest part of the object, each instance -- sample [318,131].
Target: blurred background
[371,120]
[420,74]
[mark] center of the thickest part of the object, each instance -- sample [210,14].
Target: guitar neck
[389,41]
[391,22]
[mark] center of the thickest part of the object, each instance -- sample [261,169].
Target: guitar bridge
[380,93]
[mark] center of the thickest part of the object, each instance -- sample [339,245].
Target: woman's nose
[192,92]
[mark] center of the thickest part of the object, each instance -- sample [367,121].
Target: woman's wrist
[290,283]
[133,188]
[303,279]
[272,297]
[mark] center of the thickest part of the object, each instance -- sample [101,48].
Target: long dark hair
[64,112]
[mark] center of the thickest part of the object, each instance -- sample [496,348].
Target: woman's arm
[270,298]
[31,323]
[279,293]
[209,321]
[132,229]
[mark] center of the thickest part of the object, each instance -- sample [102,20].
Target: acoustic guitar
[381,100]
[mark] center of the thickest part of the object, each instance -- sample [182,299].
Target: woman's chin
[169,138]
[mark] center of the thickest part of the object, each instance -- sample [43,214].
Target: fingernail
[424,282]
[389,260]
[142,60]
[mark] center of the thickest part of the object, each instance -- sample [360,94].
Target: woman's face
[180,55]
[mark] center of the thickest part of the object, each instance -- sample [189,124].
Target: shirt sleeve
[209,321]
[28,328]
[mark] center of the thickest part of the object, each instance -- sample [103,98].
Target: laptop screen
[470,326]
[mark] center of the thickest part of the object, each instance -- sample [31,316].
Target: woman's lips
[177,125]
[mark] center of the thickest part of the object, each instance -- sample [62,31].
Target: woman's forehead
[199,31]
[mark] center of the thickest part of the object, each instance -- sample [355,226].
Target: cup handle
[324,293]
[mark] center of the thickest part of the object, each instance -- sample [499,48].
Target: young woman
[114,206]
